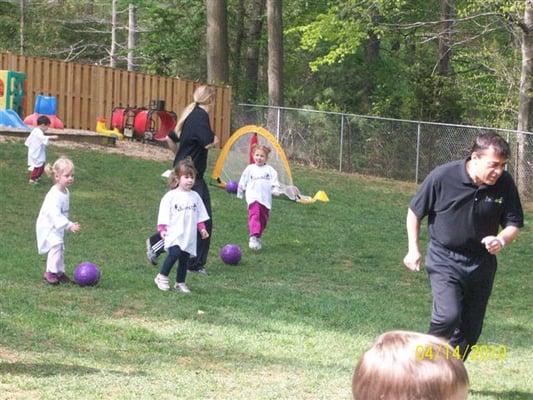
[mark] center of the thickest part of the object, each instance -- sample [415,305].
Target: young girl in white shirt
[53,221]
[259,181]
[36,143]
[181,214]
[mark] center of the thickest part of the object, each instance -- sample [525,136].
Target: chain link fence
[391,148]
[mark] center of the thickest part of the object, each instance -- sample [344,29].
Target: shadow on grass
[44,370]
[50,369]
[504,395]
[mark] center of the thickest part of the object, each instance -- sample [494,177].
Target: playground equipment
[145,124]
[119,117]
[151,123]
[102,130]
[11,99]
[45,105]
[11,118]
[12,91]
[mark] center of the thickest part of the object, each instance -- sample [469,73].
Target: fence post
[342,137]
[417,151]
[515,157]
[278,124]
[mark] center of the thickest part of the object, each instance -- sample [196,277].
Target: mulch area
[126,147]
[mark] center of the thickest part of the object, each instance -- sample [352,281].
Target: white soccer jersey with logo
[181,211]
[258,182]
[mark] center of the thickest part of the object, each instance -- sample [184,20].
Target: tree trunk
[446,14]
[525,112]
[275,53]
[132,36]
[251,56]
[373,46]
[113,50]
[217,42]
[275,66]
[22,27]
[237,50]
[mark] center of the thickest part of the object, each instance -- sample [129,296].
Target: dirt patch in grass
[127,148]
[8,355]
[4,139]
[14,393]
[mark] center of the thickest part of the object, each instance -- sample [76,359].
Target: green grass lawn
[289,322]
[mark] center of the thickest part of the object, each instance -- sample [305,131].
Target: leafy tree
[362,56]
[173,41]
[9,26]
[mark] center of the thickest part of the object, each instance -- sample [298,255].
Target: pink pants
[55,262]
[37,172]
[257,218]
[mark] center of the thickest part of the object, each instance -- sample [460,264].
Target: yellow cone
[321,196]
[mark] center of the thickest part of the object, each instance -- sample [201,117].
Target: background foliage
[359,56]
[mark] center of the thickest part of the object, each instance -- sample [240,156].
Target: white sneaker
[259,244]
[162,282]
[181,287]
[254,243]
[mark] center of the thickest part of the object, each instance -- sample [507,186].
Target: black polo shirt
[196,133]
[460,214]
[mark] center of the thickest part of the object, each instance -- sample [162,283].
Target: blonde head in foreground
[403,365]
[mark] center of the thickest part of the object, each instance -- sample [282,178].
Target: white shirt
[258,182]
[36,143]
[181,211]
[52,220]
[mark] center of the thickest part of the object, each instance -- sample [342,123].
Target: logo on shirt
[497,200]
[264,176]
[179,208]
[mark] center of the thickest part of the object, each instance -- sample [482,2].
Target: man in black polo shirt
[466,202]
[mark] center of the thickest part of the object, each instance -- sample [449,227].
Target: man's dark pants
[461,287]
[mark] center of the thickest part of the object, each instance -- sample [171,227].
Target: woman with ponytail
[192,138]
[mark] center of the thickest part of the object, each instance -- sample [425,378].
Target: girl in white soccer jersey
[181,213]
[259,181]
[53,221]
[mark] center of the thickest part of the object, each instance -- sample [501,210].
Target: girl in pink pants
[259,181]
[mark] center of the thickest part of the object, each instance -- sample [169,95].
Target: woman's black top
[196,133]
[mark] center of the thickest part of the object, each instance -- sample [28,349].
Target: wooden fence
[85,92]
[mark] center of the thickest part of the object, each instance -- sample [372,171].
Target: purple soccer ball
[231,254]
[232,186]
[87,274]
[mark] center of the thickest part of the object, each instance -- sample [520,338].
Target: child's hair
[173,180]
[203,95]
[186,167]
[403,365]
[43,120]
[262,147]
[62,164]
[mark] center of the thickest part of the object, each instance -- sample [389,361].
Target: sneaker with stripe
[150,253]
[162,282]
